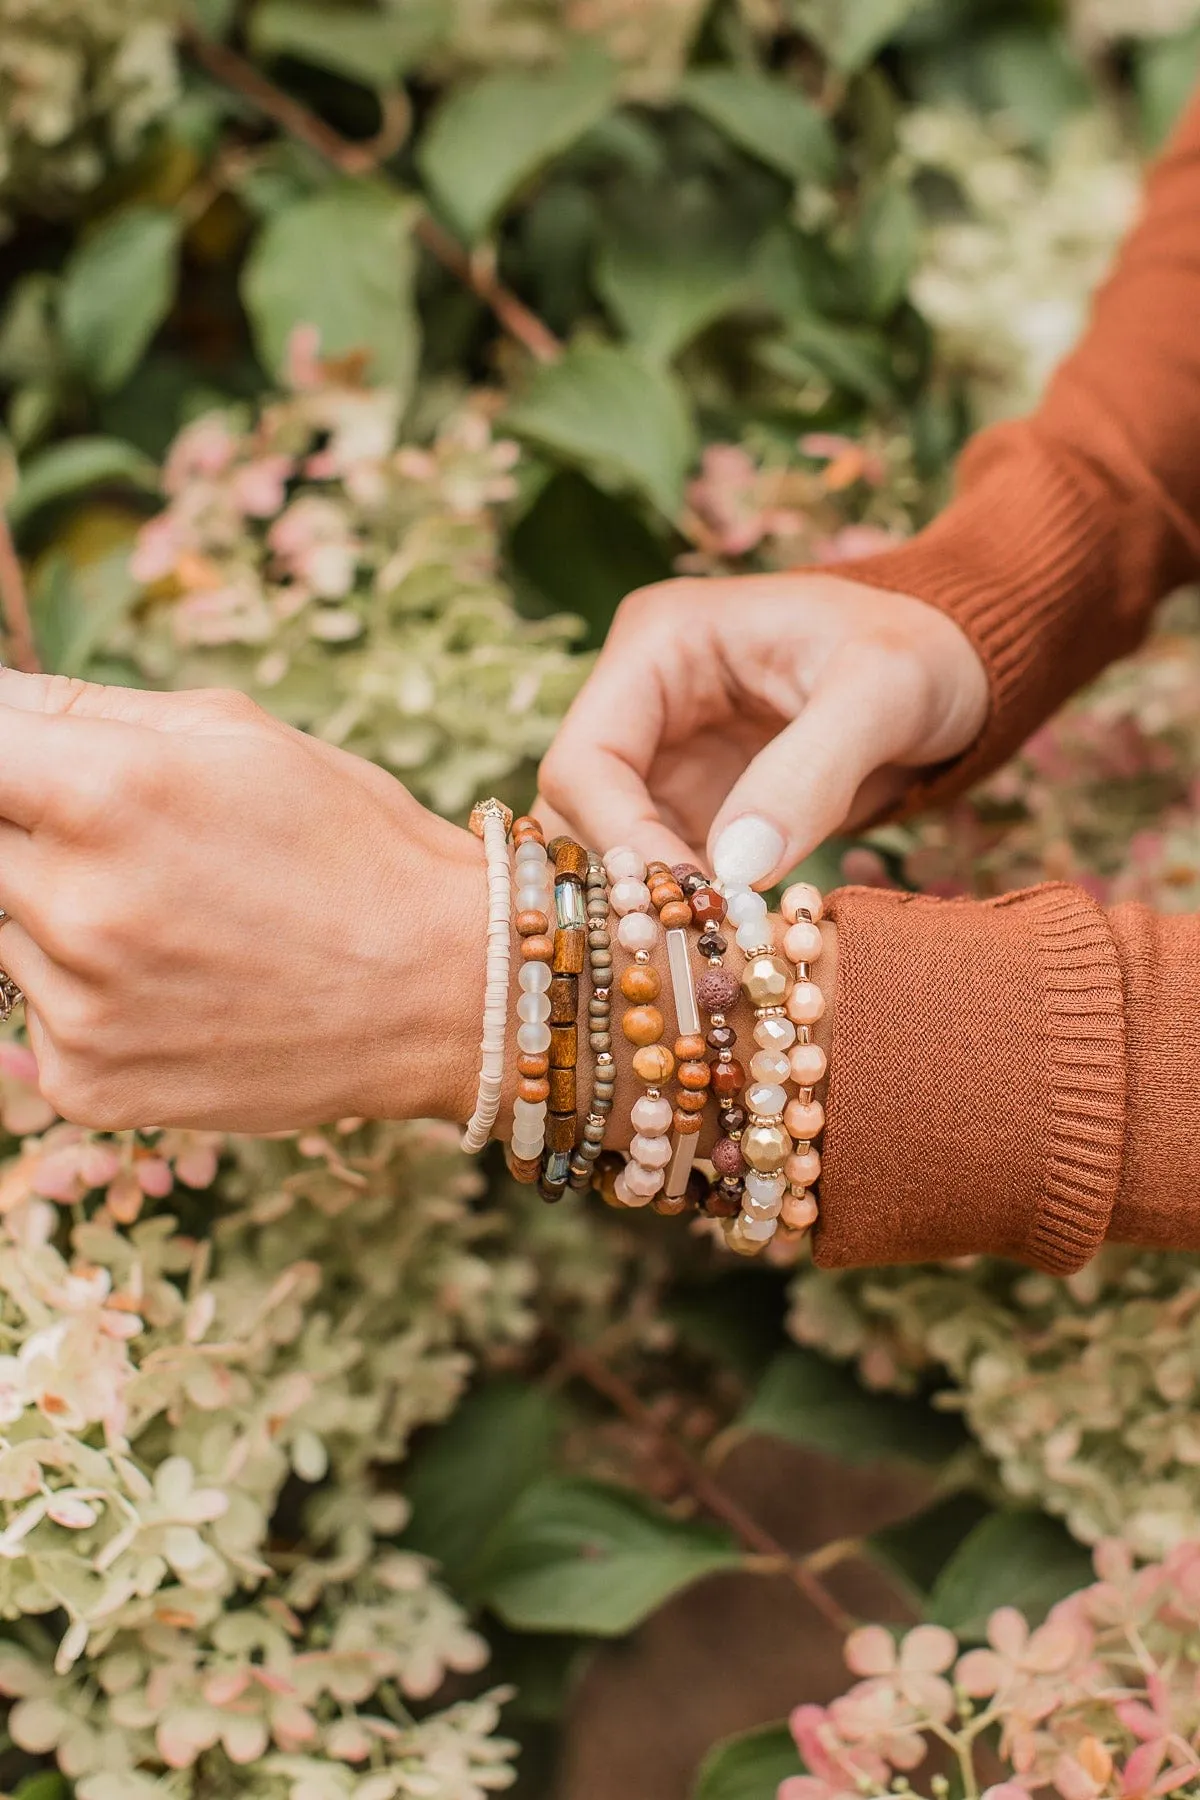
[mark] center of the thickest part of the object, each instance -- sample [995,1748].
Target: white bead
[745,906]
[528,1148]
[530,854]
[533,1040]
[774,1034]
[651,1152]
[766,1098]
[629,896]
[763,1209]
[533,1008]
[756,935]
[531,899]
[624,864]
[764,1188]
[770,1065]
[527,1114]
[535,977]
[756,1231]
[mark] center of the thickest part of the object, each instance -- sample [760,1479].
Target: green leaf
[487,139]
[467,1474]
[610,411]
[749,1766]
[75,608]
[886,245]
[804,1399]
[215,16]
[855,359]
[670,263]
[583,550]
[918,1548]
[341,260]
[1165,73]
[375,48]
[849,32]
[575,1556]
[1022,1559]
[47,1784]
[118,287]
[766,117]
[75,466]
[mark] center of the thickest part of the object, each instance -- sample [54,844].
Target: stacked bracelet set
[569,909]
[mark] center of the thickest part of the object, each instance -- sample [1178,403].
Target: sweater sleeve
[1018,1077]
[1069,525]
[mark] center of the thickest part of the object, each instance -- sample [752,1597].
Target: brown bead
[653,1064]
[687,1049]
[537,949]
[708,907]
[692,1099]
[563,1094]
[728,1079]
[717,990]
[533,1091]
[570,948]
[721,1037]
[533,1068]
[722,1206]
[525,1168]
[681,871]
[564,999]
[676,915]
[532,924]
[564,1046]
[671,1205]
[656,868]
[560,1131]
[570,858]
[643,1024]
[665,894]
[695,1075]
[687,1124]
[527,826]
[639,982]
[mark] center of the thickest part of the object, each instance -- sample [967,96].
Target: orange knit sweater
[1023,1076]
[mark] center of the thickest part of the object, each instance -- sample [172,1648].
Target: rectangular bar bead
[569,948]
[568,903]
[681,1166]
[564,1091]
[687,1013]
[564,1046]
[560,1132]
[564,999]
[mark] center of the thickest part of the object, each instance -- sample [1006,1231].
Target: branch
[708,1492]
[476,272]
[14,605]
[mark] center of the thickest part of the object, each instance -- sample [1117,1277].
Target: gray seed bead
[602,959]
[601,1040]
[599,1009]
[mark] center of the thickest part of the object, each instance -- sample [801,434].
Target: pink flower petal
[871,1650]
[928,1650]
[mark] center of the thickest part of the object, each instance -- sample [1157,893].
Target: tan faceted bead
[765,1147]
[766,980]
[653,1064]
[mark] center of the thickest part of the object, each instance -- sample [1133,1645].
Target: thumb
[801,787]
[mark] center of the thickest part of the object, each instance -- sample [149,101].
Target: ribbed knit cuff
[977,1080]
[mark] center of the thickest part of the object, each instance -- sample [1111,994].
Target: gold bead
[766,980]
[765,1147]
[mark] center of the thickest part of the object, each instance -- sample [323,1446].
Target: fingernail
[748,850]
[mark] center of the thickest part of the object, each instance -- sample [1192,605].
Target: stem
[476,271]
[14,605]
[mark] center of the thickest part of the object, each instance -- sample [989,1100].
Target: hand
[784,706]
[220,922]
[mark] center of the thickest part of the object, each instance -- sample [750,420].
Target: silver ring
[10,994]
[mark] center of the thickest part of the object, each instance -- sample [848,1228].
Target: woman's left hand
[220,922]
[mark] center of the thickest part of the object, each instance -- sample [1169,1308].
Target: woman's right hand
[752,716]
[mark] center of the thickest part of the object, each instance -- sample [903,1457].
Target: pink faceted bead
[651,1116]
[808,1063]
[637,931]
[629,896]
[799,1211]
[806,1003]
[804,1119]
[625,1194]
[802,942]
[803,1168]
[624,864]
[651,1152]
[641,1181]
[802,896]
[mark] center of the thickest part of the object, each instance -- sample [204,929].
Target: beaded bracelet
[642,1025]
[804,1117]
[716,992]
[570,867]
[599,1026]
[675,914]
[490,820]
[533,907]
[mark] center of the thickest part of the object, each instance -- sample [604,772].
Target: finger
[23,961]
[802,786]
[60,695]
[594,775]
[57,771]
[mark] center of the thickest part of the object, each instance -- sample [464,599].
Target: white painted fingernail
[747,851]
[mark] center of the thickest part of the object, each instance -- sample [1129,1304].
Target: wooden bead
[642,1025]
[728,1079]
[560,1131]
[676,915]
[564,1046]
[639,982]
[695,1075]
[653,1064]
[692,1099]
[537,949]
[533,1068]
[688,1049]
[570,858]
[525,1168]
[666,886]
[527,828]
[532,924]
[564,999]
[562,1091]
[570,948]
[687,1124]
[533,1091]
[658,868]
[669,1206]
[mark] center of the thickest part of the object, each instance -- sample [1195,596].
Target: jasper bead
[653,1064]
[629,896]
[639,982]
[651,1116]
[765,1147]
[692,1099]
[805,1003]
[808,1064]
[799,1211]
[766,980]
[642,1025]
[686,1124]
[637,931]
[802,942]
[805,1119]
[717,989]
[801,897]
[538,948]
[726,1157]
[695,1075]
[651,1152]
[532,924]
[533,1091]
[532,1068]
[689,1048]
[728,1079]
[803,1168]
[676,915]
[707,906]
